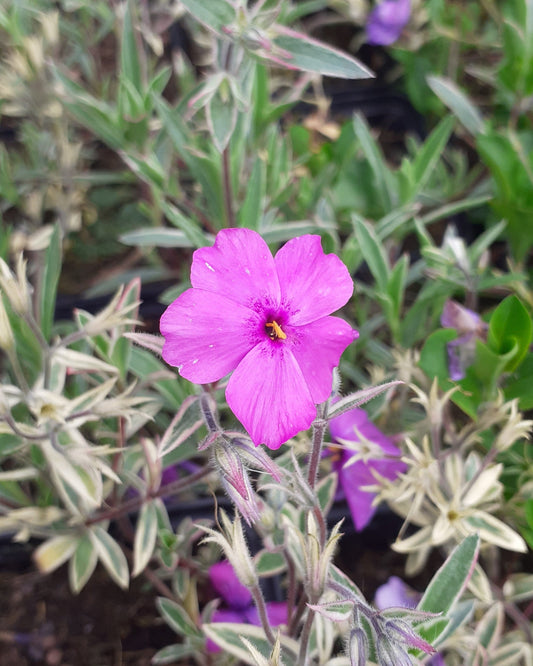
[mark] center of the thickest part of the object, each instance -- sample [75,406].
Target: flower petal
[269,395]
[226,583]
[313,284]
[352,479]
[240,267]
[318,347]
[348,425]
[206,335]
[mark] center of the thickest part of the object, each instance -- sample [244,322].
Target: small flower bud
[235,480]
[233,544]
[358,647]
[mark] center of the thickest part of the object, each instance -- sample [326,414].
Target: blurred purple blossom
[238,600]
[386,21]
[470,327]
[395,592]
[363,449]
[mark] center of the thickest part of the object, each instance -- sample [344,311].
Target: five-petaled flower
[266,319]
[364,450]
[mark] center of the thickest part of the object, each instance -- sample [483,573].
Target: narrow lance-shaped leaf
[111,556]
[52,553]
[82,564]
[457,102]
[359,398]
[451,579]
[375,160]
[310,55]
[145,537]
[177,618]
[129,56]
[214,14]
[373,253]
[49,281]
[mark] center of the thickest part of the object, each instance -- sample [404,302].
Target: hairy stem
[136,502]
[263,616]
[305,638]
[319,428]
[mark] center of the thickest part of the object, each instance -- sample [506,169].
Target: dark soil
[43,623]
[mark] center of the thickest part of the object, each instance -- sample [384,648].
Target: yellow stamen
[276,333]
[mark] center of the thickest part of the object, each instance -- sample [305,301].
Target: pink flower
[365,448]
[240,608]
[266,320]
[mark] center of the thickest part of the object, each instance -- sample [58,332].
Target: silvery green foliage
[95,428]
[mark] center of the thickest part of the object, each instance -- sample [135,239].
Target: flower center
[274,331]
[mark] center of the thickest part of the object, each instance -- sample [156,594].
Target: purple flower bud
[387,20]
[470,327]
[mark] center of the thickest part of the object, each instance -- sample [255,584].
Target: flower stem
[305,638]
[263,616]
[319,428]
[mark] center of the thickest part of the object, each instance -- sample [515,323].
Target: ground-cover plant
[108,435]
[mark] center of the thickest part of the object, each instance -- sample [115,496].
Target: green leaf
[49,281]
[91,112]
[110,555]
[151,237]
[202,169]
[215,14]
[434,355]
[221,114]
[173,653]
[325,491]
[310,55]
[189,228]
[269,564]
[250,211]
[396,285]
[457,102]
[53,553]
[82,564]
[448,584]
[519,587]
[510,328]
[492,530]
[375,160]
[431,151]
[373,252]
[130,66]
[228,637]
[145,537]
[177,618]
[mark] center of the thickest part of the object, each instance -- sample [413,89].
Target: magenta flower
[364,448]
[238,601]
[386,21]
[470,327]
[266,320]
